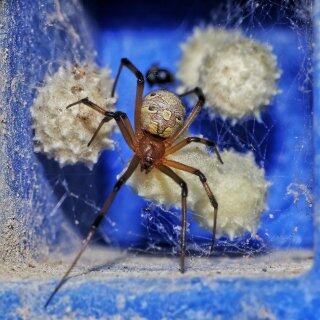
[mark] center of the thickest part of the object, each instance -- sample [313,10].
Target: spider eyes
[179,119]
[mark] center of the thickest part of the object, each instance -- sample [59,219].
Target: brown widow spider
[158,123]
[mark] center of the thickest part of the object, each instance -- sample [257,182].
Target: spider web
[281,141]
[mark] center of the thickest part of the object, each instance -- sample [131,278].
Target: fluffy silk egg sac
[63,134]
[240,79]
[239,186]
[201,42]
[237,74]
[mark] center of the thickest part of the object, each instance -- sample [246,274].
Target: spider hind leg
[96,223]
[212,199]
[184,193]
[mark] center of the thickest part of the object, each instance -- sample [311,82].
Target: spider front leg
[184,193]
[139,92]
[188,140]
[120,117]
[203,179]
[121,181]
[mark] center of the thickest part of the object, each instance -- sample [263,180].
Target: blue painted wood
[163,298]
[38,38]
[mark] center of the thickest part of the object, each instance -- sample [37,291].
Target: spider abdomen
[162,113]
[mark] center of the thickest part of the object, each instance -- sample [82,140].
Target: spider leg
[203,179]
[193,91]
[120,117]
[194,113]
[139,92]
[132,166]
[88,103]
[184,193]
[188,140]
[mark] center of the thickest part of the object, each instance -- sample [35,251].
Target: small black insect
[160,76]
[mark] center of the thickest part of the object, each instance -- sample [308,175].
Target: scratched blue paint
[164,298]
[183,298]
[28,27]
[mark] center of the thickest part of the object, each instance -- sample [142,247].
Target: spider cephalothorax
[162,113]
[158,124]
[150,150]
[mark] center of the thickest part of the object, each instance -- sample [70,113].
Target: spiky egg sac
[238,75]
[63,134]
[196,47]
[239,186]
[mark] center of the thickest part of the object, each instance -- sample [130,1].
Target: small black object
[160,76]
